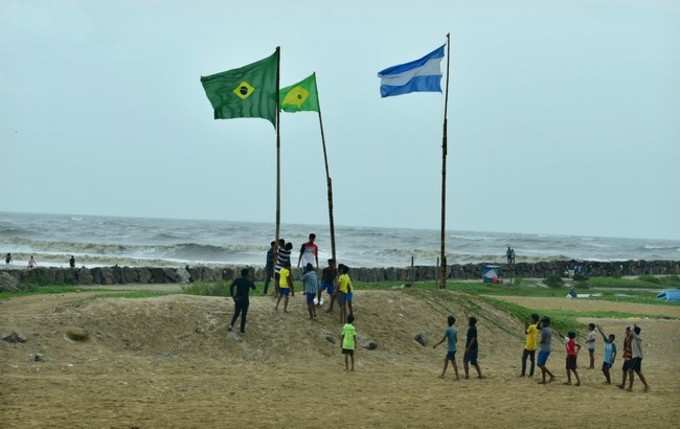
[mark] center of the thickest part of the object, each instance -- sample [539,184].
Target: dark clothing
[268,274]
[471,339]
[531,354]
[269,265]
[328,275]
[571,362]
[241,308]
[636,364]
[242,287]
[72,262]
[471,356]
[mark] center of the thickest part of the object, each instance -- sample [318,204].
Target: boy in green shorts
[349,340]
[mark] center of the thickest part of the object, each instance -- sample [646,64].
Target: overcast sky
[563,116]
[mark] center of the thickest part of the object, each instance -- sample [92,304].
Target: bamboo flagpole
[278,150]
[329,180]
[443,267]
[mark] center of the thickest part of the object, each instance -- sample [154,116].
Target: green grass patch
[642,282]
[560,321]
[207,289]
[28,290]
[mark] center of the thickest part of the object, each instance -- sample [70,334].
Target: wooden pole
[278,149]
[329,181]
[443,273]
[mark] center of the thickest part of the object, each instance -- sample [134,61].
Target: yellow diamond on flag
[244,90]
[296,96]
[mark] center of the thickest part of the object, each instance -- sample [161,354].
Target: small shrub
[580,277]
[554,280]
[582,285]
[650,279]
[207,289]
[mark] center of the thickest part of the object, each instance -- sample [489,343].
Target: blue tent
[672,295]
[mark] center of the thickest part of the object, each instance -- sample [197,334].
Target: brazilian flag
[245,92]
[300,97]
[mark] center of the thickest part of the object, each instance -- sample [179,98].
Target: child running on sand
[285,287]
[572,348]
[544,350]
[349,341]
[609,354]
[590,342]
[451,334]
[471,349]
[310,283]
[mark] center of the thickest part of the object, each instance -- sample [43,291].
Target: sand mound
[179,325]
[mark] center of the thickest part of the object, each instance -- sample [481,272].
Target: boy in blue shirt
[451,334]
[609,354]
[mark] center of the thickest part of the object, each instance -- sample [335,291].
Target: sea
[128,241]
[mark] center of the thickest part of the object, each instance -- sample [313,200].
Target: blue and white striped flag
[421,75]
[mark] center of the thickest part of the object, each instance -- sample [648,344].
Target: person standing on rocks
[72,262]
[269,267]
[309,253]
[240,293]
[32,263]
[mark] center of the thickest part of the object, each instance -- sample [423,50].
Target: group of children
[539,337]
[338,285]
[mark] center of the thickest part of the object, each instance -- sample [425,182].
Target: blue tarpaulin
[672,295]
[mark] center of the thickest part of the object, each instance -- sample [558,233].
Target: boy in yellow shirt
[285,287]
[349,341]
[531,345]
[344,292]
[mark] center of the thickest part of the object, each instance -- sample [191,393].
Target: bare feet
[551,379]
[578,384]
[620,386]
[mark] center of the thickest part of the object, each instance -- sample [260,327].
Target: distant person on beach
[450,335]
[531,345]
[8,258]
[349,341]
[285,287]
[544,350]
[310,283]
[572,348]
[344,292]
[627,355]
[309,253]
[72,262]
[328,277]
[240,293]
[508,255]
[636,361]
[471,349]
[590,343]
[32,263]
[609,354]
[269,267]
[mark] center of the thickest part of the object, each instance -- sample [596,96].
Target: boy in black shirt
[471,349]
[243,285]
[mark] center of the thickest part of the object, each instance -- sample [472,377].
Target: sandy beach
[169,362]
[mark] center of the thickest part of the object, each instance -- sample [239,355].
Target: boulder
[84,276]
[14,338]
[183,275]
[107,276]
[77,334]
[37,357]
[129,275]
[421,339]
[8,283]
[368,344]
[144,275]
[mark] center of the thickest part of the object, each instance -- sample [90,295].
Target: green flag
[245,92]
[301,97]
